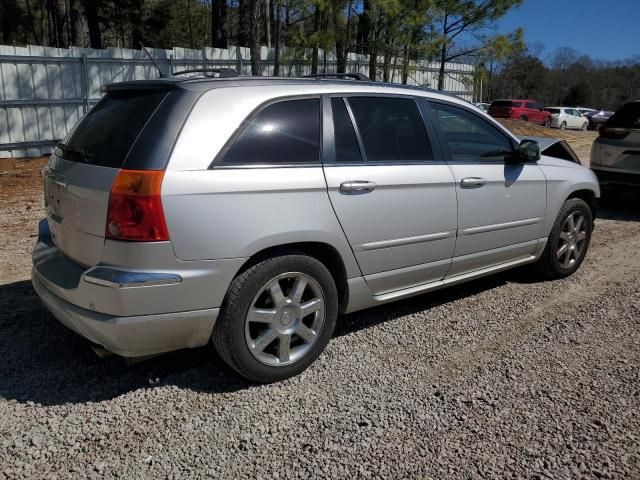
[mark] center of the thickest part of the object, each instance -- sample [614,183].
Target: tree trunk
[254,36]
[276,33]
[316,27]
[443,52]
[57,12]
[93,22]
[364,28]
[75,20]
[137,37]
[405,64]
[219,23]
[32,24]
[243,23]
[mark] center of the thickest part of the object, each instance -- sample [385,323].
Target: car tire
[242,339]
[553,264]
[584,126]
[563,126]
[547,123]
[523,118]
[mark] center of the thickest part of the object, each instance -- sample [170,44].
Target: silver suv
[615,154]
[252,212]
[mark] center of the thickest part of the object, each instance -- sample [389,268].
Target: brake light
[135,210]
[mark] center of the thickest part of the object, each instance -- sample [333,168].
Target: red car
[527,110]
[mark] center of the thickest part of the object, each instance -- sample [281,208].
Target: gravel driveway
[501,378]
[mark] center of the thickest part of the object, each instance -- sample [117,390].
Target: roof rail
[355,76]
[222,72]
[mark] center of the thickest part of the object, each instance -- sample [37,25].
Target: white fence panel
[44,91]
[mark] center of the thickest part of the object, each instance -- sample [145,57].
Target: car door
[395,202]
[501,205]
[533,112]
[576,118]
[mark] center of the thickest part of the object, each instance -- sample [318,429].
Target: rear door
[501,205]
[395,201]
[80,172]
[533,112]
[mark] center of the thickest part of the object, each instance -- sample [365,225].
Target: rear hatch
[80,172]
[501,108]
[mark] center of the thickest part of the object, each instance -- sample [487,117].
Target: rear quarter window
[106,134]
[286,132]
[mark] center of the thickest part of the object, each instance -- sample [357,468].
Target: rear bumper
[610,178]
[135,336]
[155,304]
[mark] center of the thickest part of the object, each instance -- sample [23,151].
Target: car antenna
[162,75]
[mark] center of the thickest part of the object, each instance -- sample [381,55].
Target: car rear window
[106,134]
[502,103]
[627,117]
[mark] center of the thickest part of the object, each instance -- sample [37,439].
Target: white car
[565,117]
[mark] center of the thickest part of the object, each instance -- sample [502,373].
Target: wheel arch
[589,197]
[325,253]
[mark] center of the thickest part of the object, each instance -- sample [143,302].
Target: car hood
[555,148]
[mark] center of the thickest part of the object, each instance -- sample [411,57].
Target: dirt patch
[580,141]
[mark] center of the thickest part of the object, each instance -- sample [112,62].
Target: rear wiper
[66,149]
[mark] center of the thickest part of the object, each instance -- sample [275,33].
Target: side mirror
[528,151]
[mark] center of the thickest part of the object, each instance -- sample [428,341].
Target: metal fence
[44,91]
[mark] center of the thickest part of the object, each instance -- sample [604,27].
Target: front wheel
[277,318]
[569,240]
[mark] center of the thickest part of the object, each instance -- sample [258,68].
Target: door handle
[355,187]
[472,182]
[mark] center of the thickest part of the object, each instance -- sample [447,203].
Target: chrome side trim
[428,287]
[501,226]
[114,278]
[398,242]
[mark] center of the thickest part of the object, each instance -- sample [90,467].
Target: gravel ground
[504,377]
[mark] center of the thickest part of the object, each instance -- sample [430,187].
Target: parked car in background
[527,110]
[300,199]
[584,110]
[615,154]
[597,118]
[483,106]
[565,117]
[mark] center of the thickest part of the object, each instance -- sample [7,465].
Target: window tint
[391,129]
[553,110]
[347,149]
[107,133]
[627,117]
[501,103]
[470,137]
[531,105]
[517,104]
[284,132]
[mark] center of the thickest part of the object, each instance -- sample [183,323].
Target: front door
[501,205]
[397,206]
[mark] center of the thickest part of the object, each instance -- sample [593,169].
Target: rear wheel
[522,117]
[563,126]
[569,240]
[277,318]
[547,122]
[584,126]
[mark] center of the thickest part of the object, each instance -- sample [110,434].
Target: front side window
[471,138]
[286,132]
[391,129]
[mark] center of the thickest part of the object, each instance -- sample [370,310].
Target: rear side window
[346,143]
[517,104]
[471,138]
[391,129]
[286,132]
[627,117]
[501,103]
[531,105]
[107,133]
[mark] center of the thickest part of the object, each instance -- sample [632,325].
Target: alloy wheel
[285,319]
[573,237]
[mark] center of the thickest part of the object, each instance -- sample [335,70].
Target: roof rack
[355,76]
[222,72]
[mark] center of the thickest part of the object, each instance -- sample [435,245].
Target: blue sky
[602,29]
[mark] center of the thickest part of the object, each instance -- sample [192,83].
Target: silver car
[615,154]
[252,212]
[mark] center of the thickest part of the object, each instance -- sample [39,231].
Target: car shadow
[625,207]
[45,363]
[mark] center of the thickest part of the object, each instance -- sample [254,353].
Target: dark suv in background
[527,110]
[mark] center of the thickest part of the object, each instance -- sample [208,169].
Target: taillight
[135,210]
